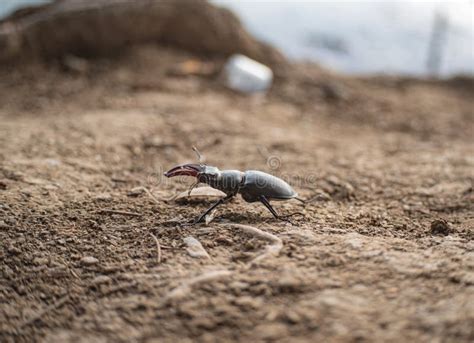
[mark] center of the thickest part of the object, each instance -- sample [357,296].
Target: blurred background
[418,38]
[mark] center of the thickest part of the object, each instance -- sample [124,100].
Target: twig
[186,288]
[147,191]
[210,217]
[132,214]
[158,248]
[116,179]
[150,194]
[198,154]
[271,250]
[47,309]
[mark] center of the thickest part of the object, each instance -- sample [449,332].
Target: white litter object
[246,75]
[201,193]
[195,248]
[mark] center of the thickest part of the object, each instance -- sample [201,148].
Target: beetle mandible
[253,185]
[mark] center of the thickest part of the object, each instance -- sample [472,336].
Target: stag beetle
[253,185]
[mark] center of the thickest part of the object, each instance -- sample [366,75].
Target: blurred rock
[440,227]
[94,28]
[195,248]
[89,261]
[75,64]
[200,194]
[101,279]
[333,91]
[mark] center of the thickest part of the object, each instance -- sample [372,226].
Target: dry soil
[384,250]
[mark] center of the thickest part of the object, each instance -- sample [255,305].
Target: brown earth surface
[384,250]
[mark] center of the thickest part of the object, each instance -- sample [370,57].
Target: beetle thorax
[227,181]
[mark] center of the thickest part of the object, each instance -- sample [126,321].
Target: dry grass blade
[124,213]
[158,248]
[210,217]
[148,192]
[201,158]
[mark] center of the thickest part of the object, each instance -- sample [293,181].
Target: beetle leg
[219,202]
[192,187]
[265,201]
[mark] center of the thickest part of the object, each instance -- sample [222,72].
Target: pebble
[249,302]
[136,191]
[51,162]
[13,250]
[89,260]
[103,197]
[194,248]
[271,331]
[39,261]
[101,279]
[440,227]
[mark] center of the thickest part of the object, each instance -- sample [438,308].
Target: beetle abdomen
[258,183]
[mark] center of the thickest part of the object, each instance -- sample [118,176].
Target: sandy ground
[384,250]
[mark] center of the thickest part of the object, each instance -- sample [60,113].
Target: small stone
[271,331]
[354,241]
[321,196]
[440,227]
[292,317]
[51,162]
[205,323]
[223,240]
[239,285]
[12,250]
[40,261]
[101,279]
[200,193]
[289,284]
[103,197]
[299,257]
[75,64]
[20,289]
[334,91]
[134,192]
[248,302]
[195,248]
[89,261]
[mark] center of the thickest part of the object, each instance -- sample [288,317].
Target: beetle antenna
[198,154]
[300,199]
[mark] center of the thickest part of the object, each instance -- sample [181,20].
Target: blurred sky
[356,36]
[363,36]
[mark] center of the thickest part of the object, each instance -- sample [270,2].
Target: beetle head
[202,172]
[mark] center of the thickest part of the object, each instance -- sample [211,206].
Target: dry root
[158,248]
[187,287]
[271,250]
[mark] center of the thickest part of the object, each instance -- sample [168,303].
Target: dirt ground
[383,252]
